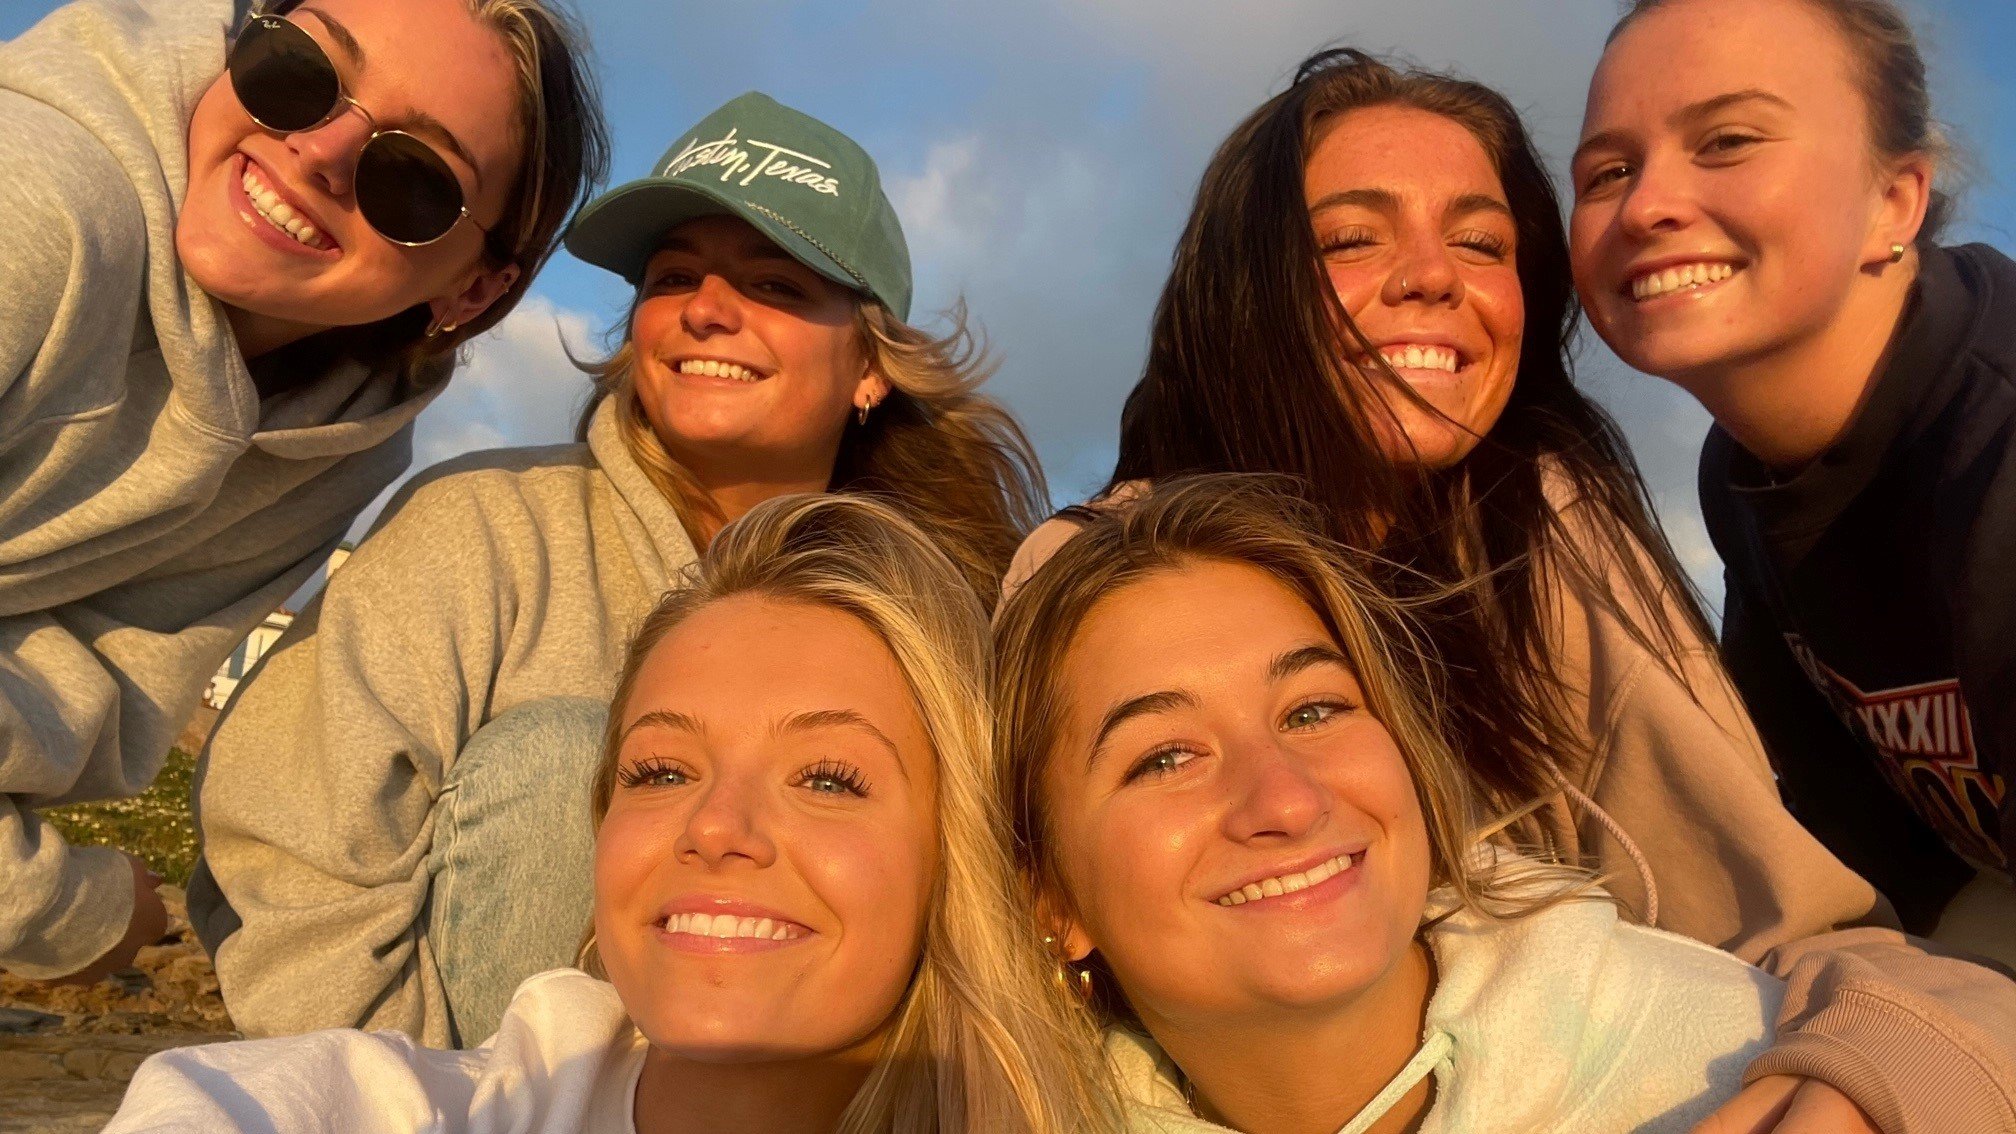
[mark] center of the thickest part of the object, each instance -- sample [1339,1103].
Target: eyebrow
[665,718]
[417,121]
[1148,704]
[844,718]
[1301,658]
[1691,111]
[1385,200]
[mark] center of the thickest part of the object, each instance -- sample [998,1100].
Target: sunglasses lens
[406,190]
[282,77]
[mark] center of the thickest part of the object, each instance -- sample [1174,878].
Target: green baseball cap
[809,188]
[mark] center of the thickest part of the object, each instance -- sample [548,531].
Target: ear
[1067,938]
[1907,194]
[484,287]
[870,390]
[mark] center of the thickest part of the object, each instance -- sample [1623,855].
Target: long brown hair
[949,456]
[976,1042]
[1247,295]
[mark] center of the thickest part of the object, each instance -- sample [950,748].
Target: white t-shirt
[565,1058]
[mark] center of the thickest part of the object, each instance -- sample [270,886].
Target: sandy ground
[67,1053]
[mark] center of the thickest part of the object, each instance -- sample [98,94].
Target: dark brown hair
[1890,72]
[1248,296]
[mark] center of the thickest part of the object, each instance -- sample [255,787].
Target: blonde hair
[975,1043]
[1255,521]
[952,459]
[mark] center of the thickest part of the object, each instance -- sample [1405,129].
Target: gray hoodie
[153,507]
[496,579]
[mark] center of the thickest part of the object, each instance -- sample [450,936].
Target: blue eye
[831,777]
[653,771]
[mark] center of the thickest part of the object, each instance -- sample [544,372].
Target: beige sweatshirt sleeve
[1923,1043]
[316,794]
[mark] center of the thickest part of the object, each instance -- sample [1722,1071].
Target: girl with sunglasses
[797,882]
[391,805]
[239,261]
[1762,228]
[1379,253]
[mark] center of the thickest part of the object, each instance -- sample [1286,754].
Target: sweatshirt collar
[1528,986]
[662,547]
[1916,382]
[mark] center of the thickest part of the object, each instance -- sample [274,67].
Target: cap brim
[621,229]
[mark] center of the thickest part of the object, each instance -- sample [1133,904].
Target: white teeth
[1675,279]
[277,212]
[729,926]
[711,368]
[1287,883]
[1415,357]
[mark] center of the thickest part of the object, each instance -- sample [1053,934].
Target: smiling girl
[798,871]
[445,696]
[1254,853]
[1761,228]
[239,257]
[1378,254]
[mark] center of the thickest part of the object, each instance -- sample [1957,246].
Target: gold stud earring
[1896,253]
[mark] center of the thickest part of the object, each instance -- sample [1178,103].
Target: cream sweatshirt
[153,508]
[1568,1020]
[495,579]
[1922,1042]
[565,1060]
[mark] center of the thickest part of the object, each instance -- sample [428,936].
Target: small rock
[26,1021]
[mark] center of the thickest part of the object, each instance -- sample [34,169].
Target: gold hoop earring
[1896,253]
[861,411]
[1064,969]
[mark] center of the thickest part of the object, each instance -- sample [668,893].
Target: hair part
[1889,71]
[951,458]
[1263,523]
[1247,294]
[973,1042]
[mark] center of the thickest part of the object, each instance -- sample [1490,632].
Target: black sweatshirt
[1880,583]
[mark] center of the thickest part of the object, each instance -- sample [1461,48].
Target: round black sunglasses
[287,83]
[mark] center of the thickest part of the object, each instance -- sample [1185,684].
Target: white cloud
[515,387]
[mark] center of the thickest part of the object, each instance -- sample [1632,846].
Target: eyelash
[1337,708]
[1479,241]
[846,775]
[643,772]
[1714,144]
[1142,770]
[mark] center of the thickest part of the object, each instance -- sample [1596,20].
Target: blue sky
[1042,154]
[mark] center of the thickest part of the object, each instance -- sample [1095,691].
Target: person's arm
[1919,1042]
[317,791]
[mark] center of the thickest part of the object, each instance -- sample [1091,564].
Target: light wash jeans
[513,856]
